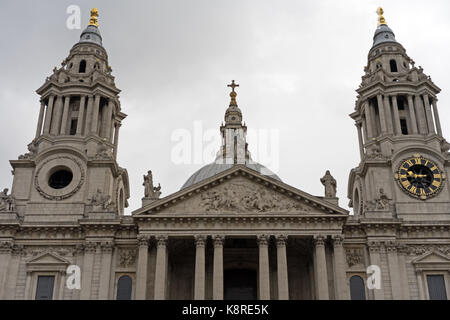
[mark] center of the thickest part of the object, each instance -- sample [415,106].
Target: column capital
[338,240]
[107,246]
[218,240]
[143,240]
[262,239]
[319,240]
[161,240]
[281,240]
[90,247]
[200,240]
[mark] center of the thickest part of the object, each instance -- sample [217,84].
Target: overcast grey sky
[298,64]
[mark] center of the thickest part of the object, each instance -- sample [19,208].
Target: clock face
[420,177]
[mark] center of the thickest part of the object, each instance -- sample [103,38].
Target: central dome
[214,168]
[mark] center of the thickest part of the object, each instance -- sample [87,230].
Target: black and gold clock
[420,177]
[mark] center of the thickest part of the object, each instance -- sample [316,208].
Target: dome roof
[216,167]
[91,35]
[383,34]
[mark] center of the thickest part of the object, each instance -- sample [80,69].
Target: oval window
[60,179]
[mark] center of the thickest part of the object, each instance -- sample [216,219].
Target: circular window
[233,118]
[60,179]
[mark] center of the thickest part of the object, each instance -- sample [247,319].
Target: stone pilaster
[436,117]
[218,267]
[40,120]
[382,113]
[48,115]
[375,259]
[412,115]
[264,281]
[81,116]
[95,114]
[6,248]
[430,124]
[65,116]
[282,268]
[86,272]
[397,126]
[394,272]
[105,275]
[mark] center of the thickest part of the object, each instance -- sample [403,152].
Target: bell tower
[71,169]
[404,157]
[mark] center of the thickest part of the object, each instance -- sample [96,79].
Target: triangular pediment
[240,190]
[48,258]
[433,257]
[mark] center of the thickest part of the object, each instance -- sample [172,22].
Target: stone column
[116,139]
[65,116]
[56,118]
[375,259]
[430,123]
[95,113]
[89,110]
[264,280]
[199,282]
[5,257]
[141,272]
[369,121]
[412,114]
[420,114]
[105,275]
[48,115]
[394,271]
[62,284]
[108,120]
[40,120]
[161,267]
[387,107]
[86,273]
[218,267]
[360,140]
[28,292]
[81,116]
[282,268]
[397,126]
[340,276]
[381,111]
[321,268]
[436,117]
[401,251]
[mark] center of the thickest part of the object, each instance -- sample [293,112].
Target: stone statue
[32,148]
[383,200]
[7,202]
[150,191]
[330,185]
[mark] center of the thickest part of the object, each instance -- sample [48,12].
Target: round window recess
[233,118]
[60,179]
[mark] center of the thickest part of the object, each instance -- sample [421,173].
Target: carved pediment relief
[241,193]
[432,258]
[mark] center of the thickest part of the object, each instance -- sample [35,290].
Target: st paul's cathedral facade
[234,230]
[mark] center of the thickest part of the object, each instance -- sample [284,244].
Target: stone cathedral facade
[234,230]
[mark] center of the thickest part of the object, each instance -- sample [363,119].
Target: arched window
[124,288]
[82,68]
[356,202]
[121,202]
[393,65]
[357,288]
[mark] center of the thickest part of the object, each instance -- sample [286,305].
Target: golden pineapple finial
[381,19]
[94,17]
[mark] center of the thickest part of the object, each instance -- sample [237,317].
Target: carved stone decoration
[245,198]
[103,152]
[281,240]
[375,246]
[41,183]
[100,201]
[319,240]
[262,239]
[418,250]
[200,240]
[330,185]
[7,202]
[218,240]
[90,247]
[6,246]
[354,257]
[381,203]
[127,257]
[143,240]
[32,148]
[161,240]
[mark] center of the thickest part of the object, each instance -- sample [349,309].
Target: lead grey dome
[216,167]
[383,34]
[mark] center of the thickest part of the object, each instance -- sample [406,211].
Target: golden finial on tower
[233,93]
[381,19]
[94,18]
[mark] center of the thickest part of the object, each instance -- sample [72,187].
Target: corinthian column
[161,267]
[141,272]
[321,268]
[340,278]
[199,282]
[381,111]
[40,119]
[218,267]
[264,284]
[282,268]
[105,276]
[48,115]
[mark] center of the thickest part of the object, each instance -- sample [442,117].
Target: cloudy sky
[298,64]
